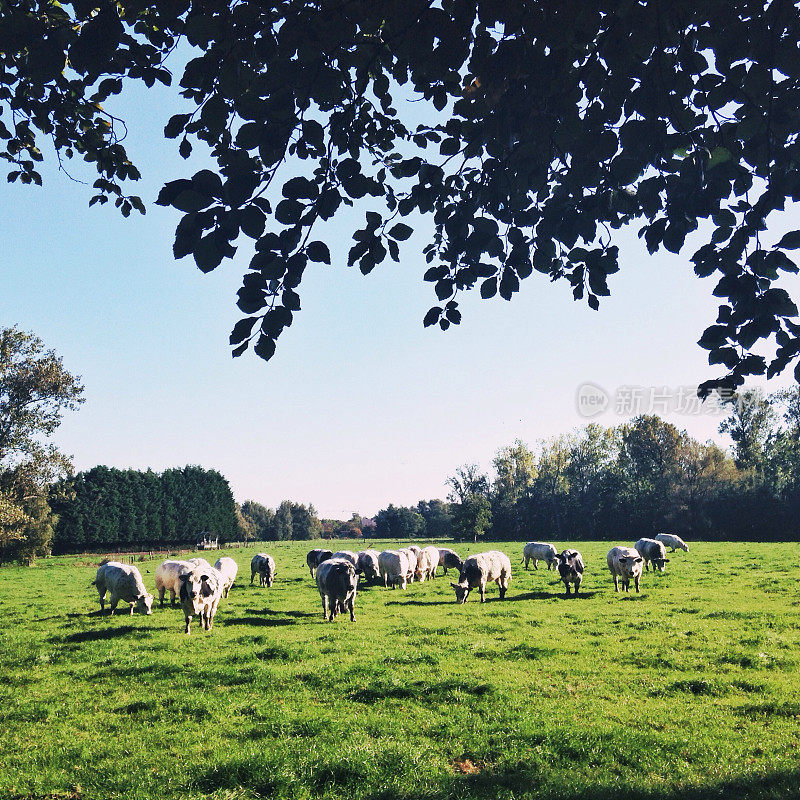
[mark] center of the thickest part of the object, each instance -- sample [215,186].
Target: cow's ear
[455,585]
[623,559]
[665,560]
[637,560]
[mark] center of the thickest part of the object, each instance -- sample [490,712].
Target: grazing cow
[570,568]
[337,583]
[672,541]
[539,551]
[652,551]
[625,563]
[168,578]
[316,557]
[367,564]
[481,568]
[431,556]
[123,582]
[228,568]
[201,591]
[393,567]
[349,555]
[449,559]
[264,565]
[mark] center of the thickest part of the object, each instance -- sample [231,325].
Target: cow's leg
[188,620]
[636,582]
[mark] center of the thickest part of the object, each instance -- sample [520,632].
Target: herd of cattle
[199,587]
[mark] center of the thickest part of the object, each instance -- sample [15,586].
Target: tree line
[626,481]
[106,508]
[621,482]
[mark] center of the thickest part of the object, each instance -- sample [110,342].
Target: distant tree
[750,423]
[283,521]
[472,517]
[515,477]
[106,508]
[305,524]
[35,392]
[246,526]
[468,480]
[262,520]
[592,453]
[438,518]
[399,522]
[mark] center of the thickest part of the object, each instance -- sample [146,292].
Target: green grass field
[688,690]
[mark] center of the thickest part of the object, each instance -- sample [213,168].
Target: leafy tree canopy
[551,126]
[35,391]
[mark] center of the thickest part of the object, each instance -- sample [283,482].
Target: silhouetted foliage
[548,126]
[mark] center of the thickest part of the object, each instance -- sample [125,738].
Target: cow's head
[191,591]
[628,564]
[144,604]
[462,591]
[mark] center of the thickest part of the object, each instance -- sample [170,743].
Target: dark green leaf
[400,231]
[319,252]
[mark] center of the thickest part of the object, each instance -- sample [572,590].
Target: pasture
[689,690]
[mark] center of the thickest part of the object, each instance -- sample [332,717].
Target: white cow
[347,554]
[337,583]
[481,568]
[201,591]
[430,557]
[168,575]
[228,568]
[264,566]
[412,559]
[539,551]
[123,582]
[672,541]
[367,564]
[625,563]
[393,567]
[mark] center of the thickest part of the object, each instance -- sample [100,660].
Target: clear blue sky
[361,406]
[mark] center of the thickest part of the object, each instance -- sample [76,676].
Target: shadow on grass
[519,783]
[261,622]
[252,774]
[100,634]
[271,613]
[421,602]
[441,692]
